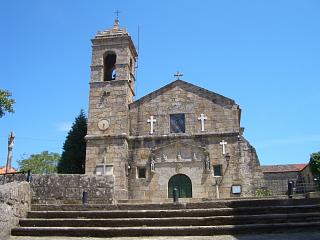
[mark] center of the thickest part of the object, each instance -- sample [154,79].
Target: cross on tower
[151,121]
[223,143]
[117,13]
[202,118]
[178,75]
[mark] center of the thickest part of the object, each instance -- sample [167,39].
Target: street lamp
[227,158]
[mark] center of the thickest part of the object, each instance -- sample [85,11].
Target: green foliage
[74,149]
[263,192]
[6,103]
[44,162]
[315,165]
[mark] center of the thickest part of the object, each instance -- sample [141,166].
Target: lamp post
[227,159]
[219,179]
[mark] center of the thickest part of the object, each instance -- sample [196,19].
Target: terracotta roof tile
[284,168]
[3,170]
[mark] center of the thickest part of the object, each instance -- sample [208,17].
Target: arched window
[109,67]
[182,183]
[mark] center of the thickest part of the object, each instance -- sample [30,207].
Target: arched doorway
[182,183]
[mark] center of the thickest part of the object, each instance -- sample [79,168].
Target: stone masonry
[180,135]
[69,188]
[15,202]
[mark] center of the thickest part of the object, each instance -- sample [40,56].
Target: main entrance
[182,183]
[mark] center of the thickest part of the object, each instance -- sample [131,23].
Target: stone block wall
[15,202]
[69,188]
[243,168]
[222,115]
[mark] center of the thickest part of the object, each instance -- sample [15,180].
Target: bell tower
[112,89]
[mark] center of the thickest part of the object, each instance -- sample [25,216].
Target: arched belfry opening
[182,183]
[109,67]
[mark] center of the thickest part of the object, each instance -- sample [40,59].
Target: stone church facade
[180,136]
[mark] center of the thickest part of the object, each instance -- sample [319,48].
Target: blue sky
[263,54]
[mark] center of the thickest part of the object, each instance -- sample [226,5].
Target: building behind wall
[277,177]
[180,135]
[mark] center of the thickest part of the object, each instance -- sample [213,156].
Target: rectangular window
[104,169]
[177,123]
[217,170]
[141,172]
[108,169]
[99,170]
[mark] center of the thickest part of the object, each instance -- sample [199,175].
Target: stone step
[174,221]
[175,212]
[164,231]
[223,203]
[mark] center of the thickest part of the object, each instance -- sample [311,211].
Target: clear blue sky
[263,54]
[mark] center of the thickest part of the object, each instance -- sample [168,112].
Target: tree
[74,148]
[315,165]
[6,103]
[44,162]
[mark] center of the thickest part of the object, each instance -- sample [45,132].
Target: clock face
[103,124]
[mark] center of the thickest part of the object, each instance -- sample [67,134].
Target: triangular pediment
[188,87]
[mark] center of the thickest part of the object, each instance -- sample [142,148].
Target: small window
[141,172]
[99,170]
[104,169]
[217,170]
[177,123]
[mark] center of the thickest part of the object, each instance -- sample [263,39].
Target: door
[182,183]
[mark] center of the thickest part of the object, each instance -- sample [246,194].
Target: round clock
[103,124]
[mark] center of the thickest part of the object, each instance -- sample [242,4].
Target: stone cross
[202,118]
[223,143]
[178,75]
[151,121]
[10,147]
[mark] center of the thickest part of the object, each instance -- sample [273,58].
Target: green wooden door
[182,183]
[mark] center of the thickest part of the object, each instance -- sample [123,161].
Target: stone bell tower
[112,89]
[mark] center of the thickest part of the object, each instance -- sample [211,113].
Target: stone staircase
[172,219]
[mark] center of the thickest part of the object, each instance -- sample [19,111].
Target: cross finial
[117,14]
[178,75]
[116,21]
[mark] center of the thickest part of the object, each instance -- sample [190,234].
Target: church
[180,136]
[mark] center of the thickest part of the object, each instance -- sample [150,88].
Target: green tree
[315,165]
[44,162]
[6,102]
[74,148]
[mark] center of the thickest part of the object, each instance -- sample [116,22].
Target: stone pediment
[188,87]
[179,152]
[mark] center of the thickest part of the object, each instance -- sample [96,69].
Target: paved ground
[286,236]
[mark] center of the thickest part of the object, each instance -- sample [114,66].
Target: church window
[217,170]
[109,67]
[141,172]
[104,169]
[177,123]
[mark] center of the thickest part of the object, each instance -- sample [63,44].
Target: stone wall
[69,188]
[179,97]
[15,202]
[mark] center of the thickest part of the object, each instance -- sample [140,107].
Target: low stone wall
[15,202]
[69,188]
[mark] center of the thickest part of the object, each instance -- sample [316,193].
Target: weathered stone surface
[15,202]
[68,188]
[127,145]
